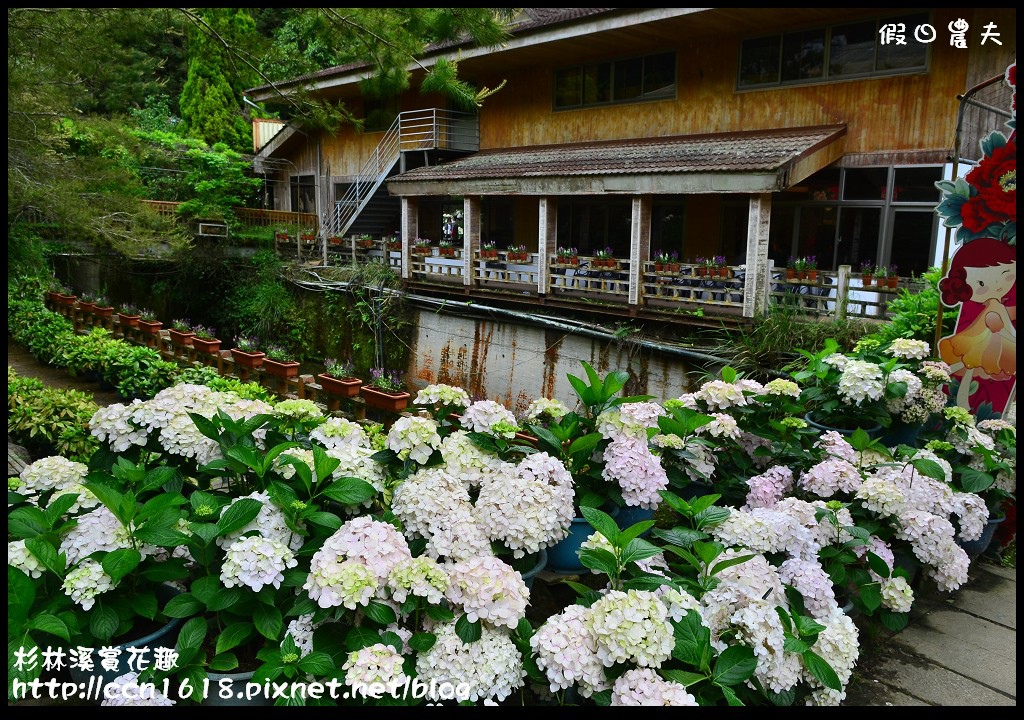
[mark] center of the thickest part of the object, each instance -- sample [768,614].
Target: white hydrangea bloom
[112,425]
[55,473]
[333,582]
[440,394]
[897,595]
[677,602]
[378,663]
[769,487]
[631,626]
[413,437]
[255,561]
[932,538]
[492,666]
[98,531]
[643,686]
[860,381]
[542,408]
[298,409]
[630,464]
[740,585]
[781,386]
[483,415]
[335,431]
[720,395]
[566,651]
[301,631]
[839,646]
[464,460]
[434,504]
[831,476]
[811,580]
[357,461]
[18,556]
[973,514]
[637,417]
[722,426]
[85,582]
[287,469]
[908,349]
[836,360]
[834,444]
[488,589]
[419,576]
[758,626]
[270,523]
[126,690]
[881,496]
[377,545]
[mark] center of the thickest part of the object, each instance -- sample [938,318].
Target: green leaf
[603,698]
[585,444]
[730,696]
[145,604]
[599,559]
[241,512]
[795,645]
[159,504]
[224,598]
[158,477]
[422,641]
[58,507]
[602,522]
[111,498]
[268,621]
[183,605]
[894,621]
[878,565]
[119,563]
[380,613]
[21,595]
[45,553]
[468,631]
[636,530]
[822,671]
[440,613]
[734,665]
[702,503]
[682,677]
[808,626]
[224,662]
[324,519]
[639,549]
[350,491]
[50,624]
[360,637]
[646,582]
[234,635]
[103,621]
[317,663]
[871,596]
[27,522]
[161,537]
[587,396]
[973,481]
[708,551]
[929,468]
[679,536]
[693,641]
[192,634]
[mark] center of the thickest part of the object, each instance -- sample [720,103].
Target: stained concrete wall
[515,363]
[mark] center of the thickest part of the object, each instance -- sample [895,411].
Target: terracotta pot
[104,311]
[723,272]
[278,368]
[206,346]
[865,280]
[247,359]
[672,267]
[342,387]
[703,271]
[128,320]
[446,252]
[395,246]
[68,300]
[179,337]
[892,282]
[812,274]
[334,240]
[150,328]
[393,402]
[659,267]
[790,274]
[86,307]
[489,254]
[281,236]
[365,244]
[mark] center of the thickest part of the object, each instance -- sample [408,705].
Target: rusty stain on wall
[444,368]
[483,333]
[552,342]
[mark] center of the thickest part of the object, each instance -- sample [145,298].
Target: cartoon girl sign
[982,353]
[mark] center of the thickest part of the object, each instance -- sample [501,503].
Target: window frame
[608,71]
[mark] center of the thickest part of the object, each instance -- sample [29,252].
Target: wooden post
[547,241]
[639,246]
[757,282]
[410,230]
[470,238]
[842,291]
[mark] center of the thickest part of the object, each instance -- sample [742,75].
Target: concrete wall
[515,363]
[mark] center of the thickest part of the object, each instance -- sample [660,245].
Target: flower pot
[790,274]
[163,636]
[446,252]
[395,246]
[86,307]
[865,280]
[251,360]
[901,433]
[672,267]
[342,387]
[892,282]
[104,311]
[529,575]
[150,328]
[801,274]
[364,244]
[563,556]
[178,337]
[227,689]
[66,300]
[874,432]
[812,275]
[488,254]
[723,272]
[128,320]
[881,281]
[335,240]
[206,346]
[392,402]
[975,548]
[282,369]
[421,251]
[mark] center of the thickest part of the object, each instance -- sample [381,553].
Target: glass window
[913,241]
[597,84]
[667,215]
[591,223]
[909,56]
[303,193]
[759,61]
[916,184]
[823,185]
[803,55]
[569,87]
[780,234]
[852,49]
[660,76]
[865,183]
[858,236]
[629,78]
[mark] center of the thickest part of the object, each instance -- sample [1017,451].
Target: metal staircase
[426,130]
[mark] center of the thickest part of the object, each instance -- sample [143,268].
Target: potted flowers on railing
[892,277]
[307,235]
[205,339]
[568,256]
[881,275]
[421,246]
[604,258]
[365,241]
[867,272]
[393,243]
[281,235]
[86,302]
[148,322]
[181,332]
[280,362]
[102,307]
[489,250]
[811,267]
[128,315]
[517,253]
[446,248]
[386,390]
[339,378]
[666,261]
[246,352]
[719,266]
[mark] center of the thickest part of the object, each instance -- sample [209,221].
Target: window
[652,77]
[303,193]
[834,52]
[590,223]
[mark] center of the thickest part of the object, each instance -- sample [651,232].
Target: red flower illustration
[995,179]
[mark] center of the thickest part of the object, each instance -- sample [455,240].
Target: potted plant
[489,250]
[338,378]
[181,332]
[281,235]
[335,240]
[307,235]
[280,362]
[701,266]
[604,258]
[892,278]
[247,353]
[665,261]
[148,322]
[721,267]
[87,302]
[791,268]
[446,248]
[867,272]
[516,253]
[365,241]
[128,315]
[394,243]
[386,390]
[568,256]
[64,295]
[881,275]
[800,266]
[421,246]
[811,267]
[205,339]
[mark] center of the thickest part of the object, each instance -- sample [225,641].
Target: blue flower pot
[529,575]
[974,548]
[563,556]
[901,433]
[631,515]
[874,432]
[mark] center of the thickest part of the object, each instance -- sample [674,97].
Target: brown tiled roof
[742,152]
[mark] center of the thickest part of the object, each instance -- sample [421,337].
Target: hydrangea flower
[270,523]
[631,625]
[782,387]
[85,582]
[333,582]
[301,631]
[643,686]
[488,589]
[298,410]
[419,576]
[413,438]
[18,556]
[839,645]
[483,415]
[492,666]
[721,426]
[464,460]
[769,487]
[881,496]
[631,465]
[811,580]
[255,561]
[720,395]
[566,652]
[897,595]
[909,349]
[860,381]
[377,545]
[98,531]
[335,431]
[55,473]
[545,409]
[831,476]
[440,394]
[377,663]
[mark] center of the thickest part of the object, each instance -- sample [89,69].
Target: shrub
[49,421]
